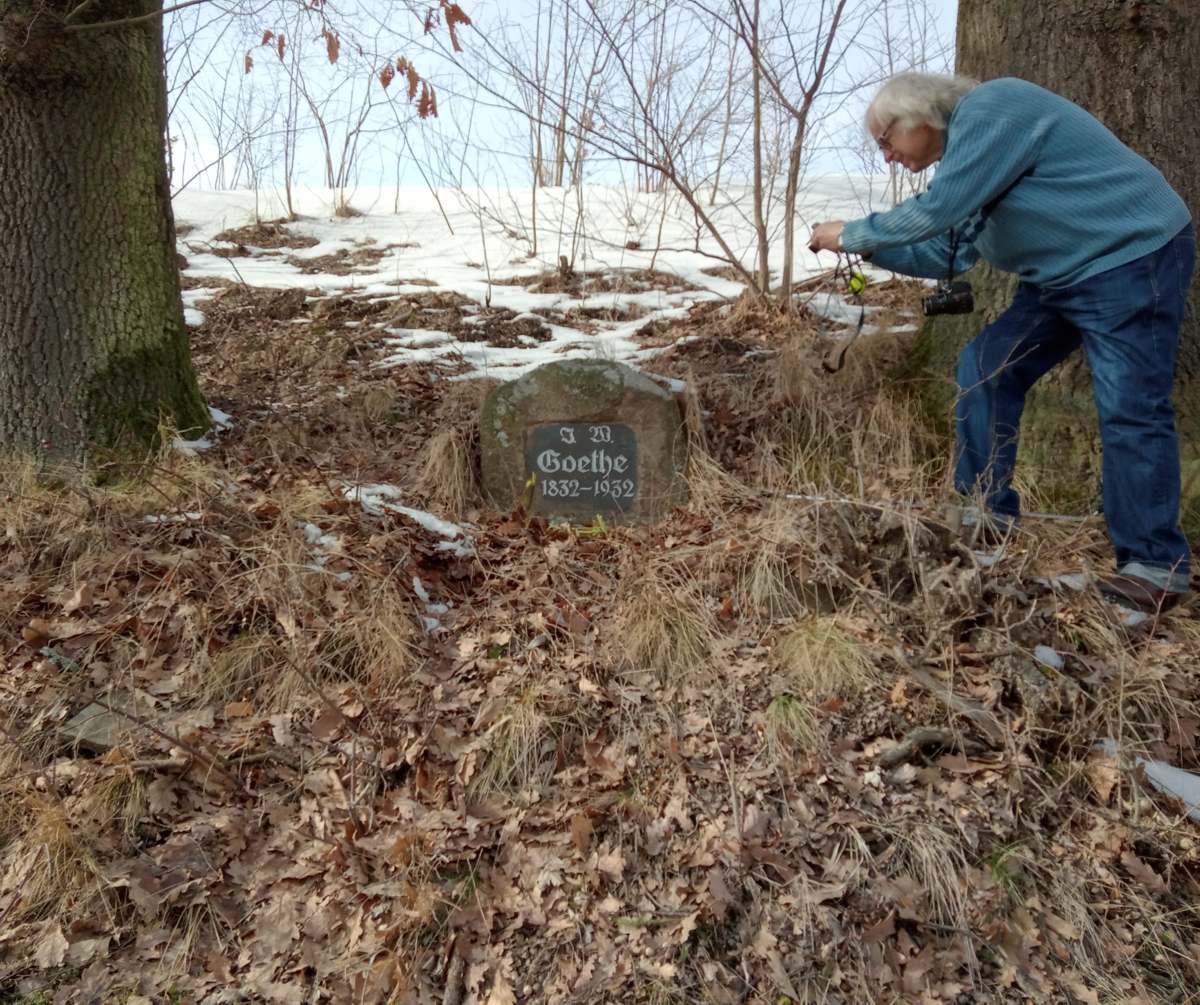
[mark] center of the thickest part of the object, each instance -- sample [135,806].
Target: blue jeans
[1127,320]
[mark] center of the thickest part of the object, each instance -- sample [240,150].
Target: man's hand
[827,236]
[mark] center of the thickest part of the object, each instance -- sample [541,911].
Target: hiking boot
[1137,593]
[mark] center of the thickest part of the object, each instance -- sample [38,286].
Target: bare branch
[124,22]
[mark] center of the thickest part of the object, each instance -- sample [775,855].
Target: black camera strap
[850,271]
[954,242]
[956,234]
[852,274]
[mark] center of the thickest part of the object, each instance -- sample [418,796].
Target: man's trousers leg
[1129,319]
[995,371]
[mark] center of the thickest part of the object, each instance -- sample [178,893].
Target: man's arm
[984,158]
[928,260]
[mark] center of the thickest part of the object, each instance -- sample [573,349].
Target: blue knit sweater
[1083,202]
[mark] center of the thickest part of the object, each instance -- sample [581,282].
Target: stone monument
[579,439]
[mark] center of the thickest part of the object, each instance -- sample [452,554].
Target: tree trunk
[93,348]
[760,220]
[1133,66]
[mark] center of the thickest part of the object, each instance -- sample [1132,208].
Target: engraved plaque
[582,468]
[582,438]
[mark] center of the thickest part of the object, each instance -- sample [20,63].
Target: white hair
[917,99]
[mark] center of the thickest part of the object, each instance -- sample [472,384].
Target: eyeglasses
[885,145]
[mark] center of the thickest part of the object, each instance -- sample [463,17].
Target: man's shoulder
[1010,92]
[1014,100]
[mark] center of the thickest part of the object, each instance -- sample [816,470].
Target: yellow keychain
[858,283]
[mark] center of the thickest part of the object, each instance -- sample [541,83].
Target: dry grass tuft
[49,868]
[377,403]
[1188,629]
[252,666]
[771,579]
[712,491]
[1162,966]
[791,725]
[665,625]
[796,377]
[378,645]
[693,414]
[822,659]
[519,745]
[448,471]
[74,527]
[1135,690]
[119,800]
[1135,707]
[850,433]
[934,860]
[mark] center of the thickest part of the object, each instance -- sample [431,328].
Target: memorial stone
[584,438]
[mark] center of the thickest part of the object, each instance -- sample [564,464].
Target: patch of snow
[1130,618]
[1048,657]
[192,317]
[222,420]
[412,338]
[1077,582]
[835,307]
[192,446]
[190,517]
[419,245]
[377,499]
[1183,785]
[318,538]
[432,611]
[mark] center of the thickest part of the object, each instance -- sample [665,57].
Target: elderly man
[1104,249]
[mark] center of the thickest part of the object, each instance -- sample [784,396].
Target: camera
[949,298]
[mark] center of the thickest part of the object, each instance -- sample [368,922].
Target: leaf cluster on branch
[420,90]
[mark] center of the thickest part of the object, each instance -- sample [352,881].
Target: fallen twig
[211,760]
[454,979]
[980,717]
[924,738]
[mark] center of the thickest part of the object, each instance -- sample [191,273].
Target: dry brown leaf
[581,833]
[721,899]
[501,992]
[85,951]
[37,632]
[333,44]
[1073,983]
[281,729]
[327,725]
[1143,874]
[612,865]
[53,949]
[1061,926]
[880,930]
[81,598]
[1102,772]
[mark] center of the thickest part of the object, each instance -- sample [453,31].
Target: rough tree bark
[93,348]
[1133,64]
